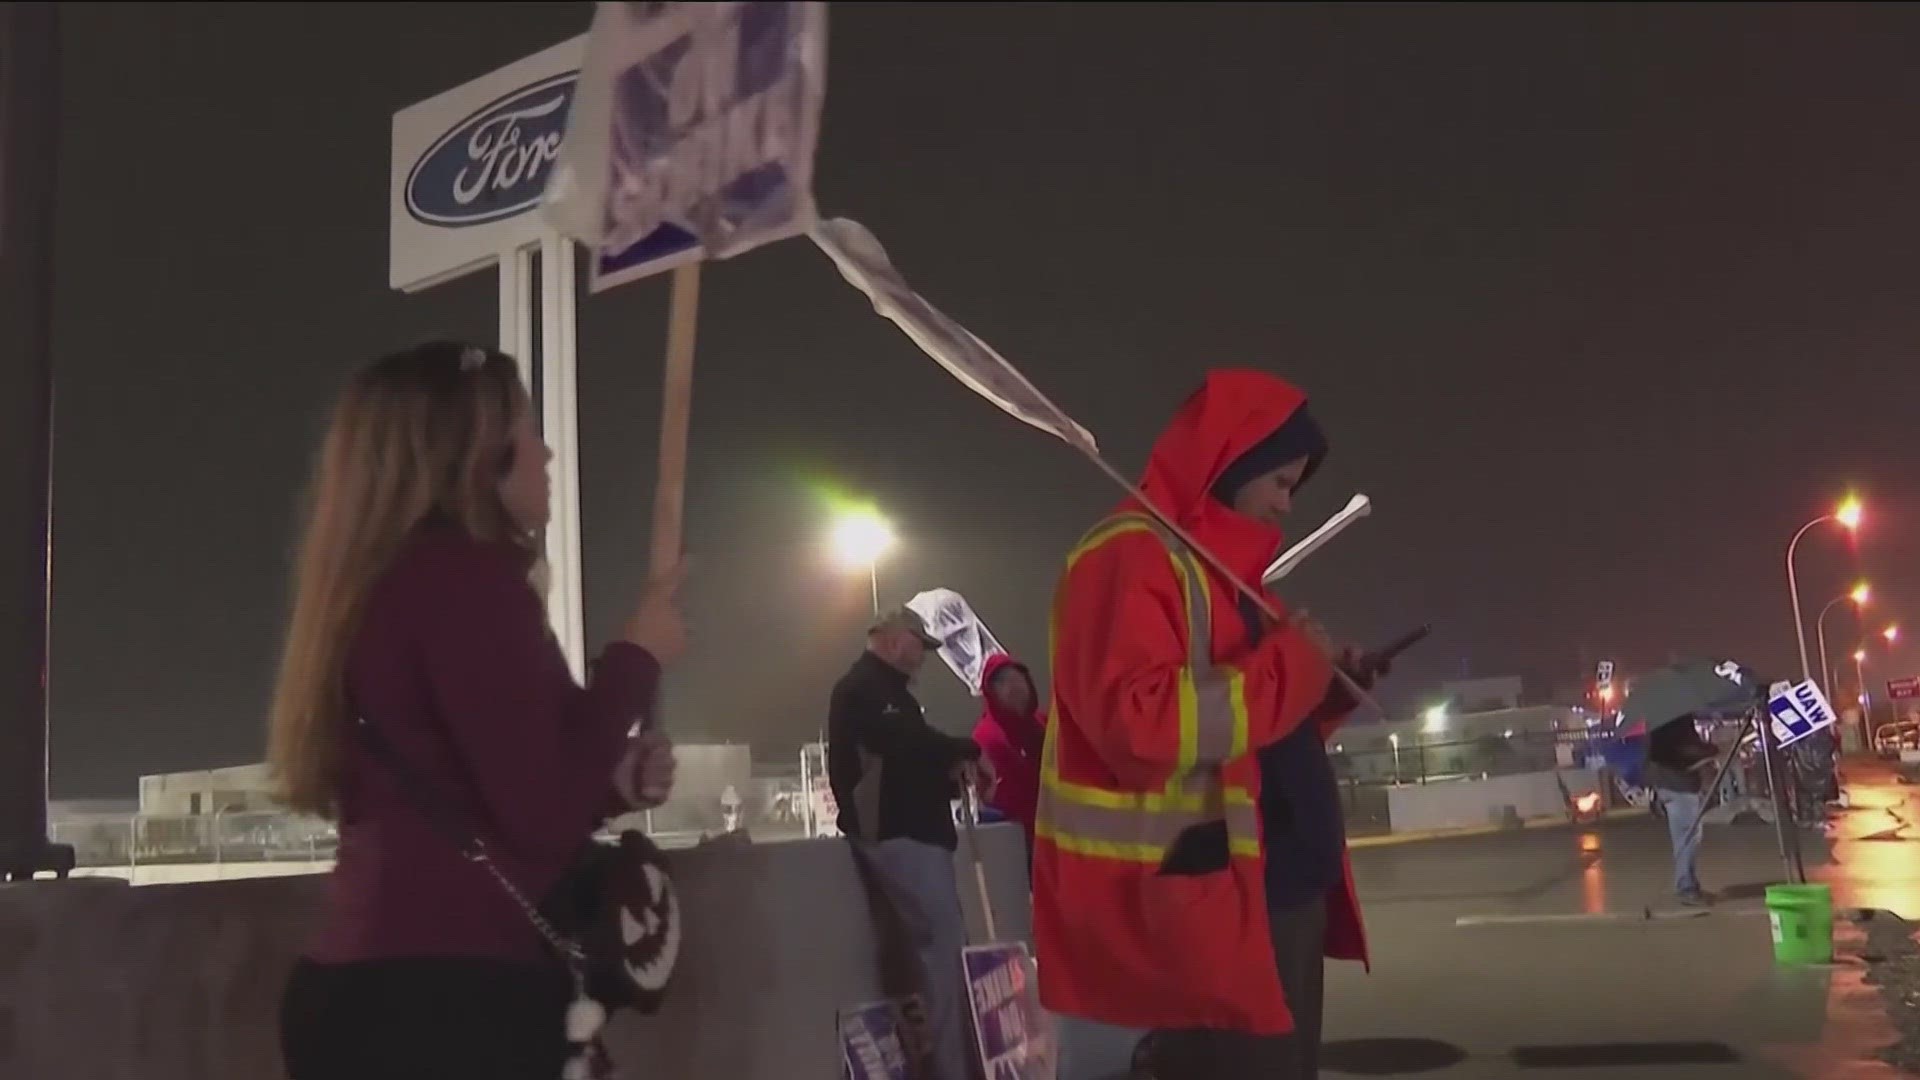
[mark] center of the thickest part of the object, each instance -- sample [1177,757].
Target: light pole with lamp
[1848,515]
[860,538]
[1892,634]
[1859,595]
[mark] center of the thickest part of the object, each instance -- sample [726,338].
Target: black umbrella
[1707,688]
[1692,688]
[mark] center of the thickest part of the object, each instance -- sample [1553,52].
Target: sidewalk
[1578,983]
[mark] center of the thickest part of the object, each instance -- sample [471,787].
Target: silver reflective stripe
[1193,586]
[1213,690]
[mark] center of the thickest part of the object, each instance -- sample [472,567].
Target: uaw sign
[693,134]
[871,1047]
[1798,710]
[1010,1028]
[965,642]
[470,166]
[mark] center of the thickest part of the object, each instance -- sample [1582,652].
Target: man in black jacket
[894,778]
[1678,763]
[893,775]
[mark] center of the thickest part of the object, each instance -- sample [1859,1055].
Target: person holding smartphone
[1151,856]
[1302,824]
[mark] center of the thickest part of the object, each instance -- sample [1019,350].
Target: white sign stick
[1357,507]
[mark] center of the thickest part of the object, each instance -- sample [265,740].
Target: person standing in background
[1150,864]
[1678,763]
[895,779]
[1010,733]
[414,613]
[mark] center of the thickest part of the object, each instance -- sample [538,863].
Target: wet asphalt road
[1558,953]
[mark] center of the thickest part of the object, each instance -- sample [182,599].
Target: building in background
[1483,695]
[234,789]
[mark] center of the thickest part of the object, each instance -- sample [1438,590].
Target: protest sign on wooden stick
[864,263]
[676,417]
[691,136]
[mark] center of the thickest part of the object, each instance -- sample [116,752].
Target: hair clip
[471,358]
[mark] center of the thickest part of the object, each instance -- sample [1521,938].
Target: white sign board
[965,642]
[470,166]
[864,263]
[693,134]
[1798,710]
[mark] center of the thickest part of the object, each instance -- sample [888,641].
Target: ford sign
[493,164]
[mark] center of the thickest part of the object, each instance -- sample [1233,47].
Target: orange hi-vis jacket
[1160,698]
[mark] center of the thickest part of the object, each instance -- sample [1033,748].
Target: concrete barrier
[1458,804]
[100,980]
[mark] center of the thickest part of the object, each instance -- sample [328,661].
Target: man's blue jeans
[1683,811]
[923,889]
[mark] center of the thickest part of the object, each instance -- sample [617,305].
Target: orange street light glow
[1891,633]
[1859,656]
[1861,594]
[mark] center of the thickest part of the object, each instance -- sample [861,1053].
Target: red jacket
[454,662]
[1160,697]
[1011,742]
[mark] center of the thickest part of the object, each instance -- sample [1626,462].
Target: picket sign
[691,136]
[865,265]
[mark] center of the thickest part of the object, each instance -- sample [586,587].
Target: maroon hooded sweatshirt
[1012,743]
[453,661]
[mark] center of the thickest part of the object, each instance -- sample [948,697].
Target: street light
[1860,679]
[1860,594]
[860,538]
[1394,738]
[1848,515]
[1436,718]
[1892,634]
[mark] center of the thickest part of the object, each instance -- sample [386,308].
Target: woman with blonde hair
[415,615]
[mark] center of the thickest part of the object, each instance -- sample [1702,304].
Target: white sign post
[469,168]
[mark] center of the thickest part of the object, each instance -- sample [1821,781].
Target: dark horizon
[1598,304]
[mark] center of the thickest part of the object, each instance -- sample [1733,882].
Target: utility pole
[29,147]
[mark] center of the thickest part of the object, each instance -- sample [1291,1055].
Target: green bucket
[1802,918]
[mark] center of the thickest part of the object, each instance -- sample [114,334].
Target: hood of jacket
[1233,411]
[1024,731]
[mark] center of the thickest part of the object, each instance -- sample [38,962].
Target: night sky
[1598,304]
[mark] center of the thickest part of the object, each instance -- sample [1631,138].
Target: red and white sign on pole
[1904,689]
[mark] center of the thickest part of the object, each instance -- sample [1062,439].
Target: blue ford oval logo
[493,164]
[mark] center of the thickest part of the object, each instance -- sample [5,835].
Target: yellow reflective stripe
[1206,724]
[1144,826]
[1189,722]
[1239,847]
[1213,705]
[1139,826]
[1195,797]
[1107,530]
